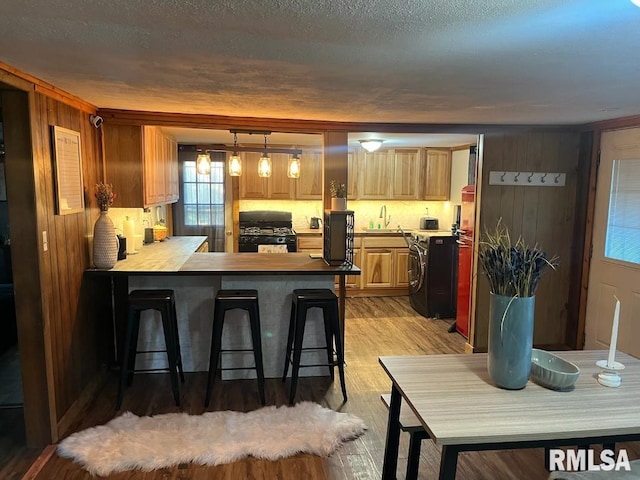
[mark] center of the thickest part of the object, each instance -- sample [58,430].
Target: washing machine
[433,265]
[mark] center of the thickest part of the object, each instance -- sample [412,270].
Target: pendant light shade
[235,165]
[294,167]
[264,166]
[203,164]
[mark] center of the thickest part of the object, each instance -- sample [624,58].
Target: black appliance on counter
[265,227]
[433,266]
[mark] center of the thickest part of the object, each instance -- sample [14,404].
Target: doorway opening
[10,372]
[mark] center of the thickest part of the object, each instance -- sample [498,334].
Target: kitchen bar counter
[196,277]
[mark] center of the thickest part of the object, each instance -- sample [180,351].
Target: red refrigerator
[465,258]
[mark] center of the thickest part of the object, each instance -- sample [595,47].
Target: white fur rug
[213,438]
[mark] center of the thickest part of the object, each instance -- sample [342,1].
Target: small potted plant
[514,270]
[338,195]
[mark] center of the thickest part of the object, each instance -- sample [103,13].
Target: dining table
[461,410]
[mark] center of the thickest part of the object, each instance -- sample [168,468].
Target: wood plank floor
[375,326]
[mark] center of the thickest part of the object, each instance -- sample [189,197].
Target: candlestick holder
[609,376]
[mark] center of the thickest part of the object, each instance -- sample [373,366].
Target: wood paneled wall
[56,314]
[544,215]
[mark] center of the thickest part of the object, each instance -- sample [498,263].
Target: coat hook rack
[534,179]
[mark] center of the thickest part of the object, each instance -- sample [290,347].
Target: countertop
[158,257]
[176,256]
[262,264]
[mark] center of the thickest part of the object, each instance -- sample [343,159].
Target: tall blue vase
[510,340]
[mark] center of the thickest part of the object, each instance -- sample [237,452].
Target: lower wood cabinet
[383,261]
[378,268]
[401,261]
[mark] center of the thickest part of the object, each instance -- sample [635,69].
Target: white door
[615,263]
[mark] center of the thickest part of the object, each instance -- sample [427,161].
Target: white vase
[105,242]
[338,203]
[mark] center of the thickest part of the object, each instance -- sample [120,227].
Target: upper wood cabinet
[277,186]
[376,171]
[437,175]
[406,165]
[309,185]
[352,168]
[252,185]
[141,162]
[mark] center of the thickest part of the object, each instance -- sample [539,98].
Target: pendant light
[294,167]
[264,164]
[235,164]
[203,163]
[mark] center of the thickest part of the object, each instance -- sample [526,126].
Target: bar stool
[164,302]
[229,300]
[302,301]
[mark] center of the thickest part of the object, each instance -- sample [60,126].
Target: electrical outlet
[45,242]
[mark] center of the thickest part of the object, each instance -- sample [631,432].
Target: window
[203,195]
[623,222]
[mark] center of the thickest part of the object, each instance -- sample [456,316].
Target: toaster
[429,223]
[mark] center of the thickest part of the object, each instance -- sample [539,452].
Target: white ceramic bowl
[551,371]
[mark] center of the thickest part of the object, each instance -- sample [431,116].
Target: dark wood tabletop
[262,264]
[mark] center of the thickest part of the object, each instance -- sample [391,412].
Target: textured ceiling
[430,61]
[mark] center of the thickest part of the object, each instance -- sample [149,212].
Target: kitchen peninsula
[195,278]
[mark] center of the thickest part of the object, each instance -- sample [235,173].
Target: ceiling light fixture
[235,164]
[203,163]
[371,145]
[636,2]
[264,164]
[294,167]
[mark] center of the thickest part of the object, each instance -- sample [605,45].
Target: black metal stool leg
[335,325]
[287,357]
[174,320]
[328,335]
[170,339]
[256,338]
[216,345]
[300,320]
[133,346]
[125,358]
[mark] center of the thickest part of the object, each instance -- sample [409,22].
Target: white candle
[614,334]
[128,230]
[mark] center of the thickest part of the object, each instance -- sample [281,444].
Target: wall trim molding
[24,81]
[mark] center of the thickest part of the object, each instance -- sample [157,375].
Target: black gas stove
[265,227]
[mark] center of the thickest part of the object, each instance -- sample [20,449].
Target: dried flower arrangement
[338,190]
[513,269]
[104,196]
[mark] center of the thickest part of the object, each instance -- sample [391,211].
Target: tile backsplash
[407,214]
[141,220]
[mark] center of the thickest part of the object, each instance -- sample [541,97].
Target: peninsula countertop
[262,264]
[176,256]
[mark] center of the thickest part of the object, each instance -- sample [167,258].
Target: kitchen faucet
[383,215]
